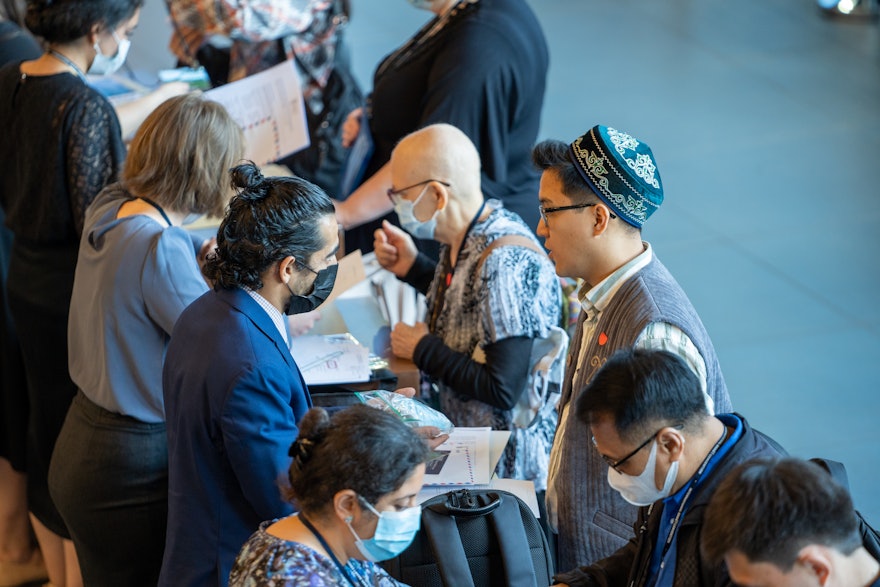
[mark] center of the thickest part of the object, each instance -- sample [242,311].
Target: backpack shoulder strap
[516,240]
[445,540]
[506,520]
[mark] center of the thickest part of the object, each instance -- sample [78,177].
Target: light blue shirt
[134,277]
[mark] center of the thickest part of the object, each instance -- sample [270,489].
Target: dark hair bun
[312,429]
[247,179]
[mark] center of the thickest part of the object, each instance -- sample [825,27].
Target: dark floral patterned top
[266,560]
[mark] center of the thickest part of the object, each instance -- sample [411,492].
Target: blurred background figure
[233,39]
[137,271]
[20,560]
[479,65]
[63,145]
[354,479]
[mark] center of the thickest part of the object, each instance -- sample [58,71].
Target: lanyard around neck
[691,486]
[344,569]
[440,296]
[64,59]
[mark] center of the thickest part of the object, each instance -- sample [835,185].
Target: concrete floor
[765,121]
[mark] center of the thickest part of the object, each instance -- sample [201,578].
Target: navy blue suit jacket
[233,397]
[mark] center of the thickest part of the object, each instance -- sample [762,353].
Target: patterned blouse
[516,294]
[266,560]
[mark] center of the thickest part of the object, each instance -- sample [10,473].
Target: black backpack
[870,536]
[475,538]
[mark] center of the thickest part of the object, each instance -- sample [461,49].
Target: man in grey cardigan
[595,195]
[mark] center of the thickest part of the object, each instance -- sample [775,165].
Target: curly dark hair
[360,448]
[63,21]
[269,219]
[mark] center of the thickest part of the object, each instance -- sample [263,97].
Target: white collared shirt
[276,316]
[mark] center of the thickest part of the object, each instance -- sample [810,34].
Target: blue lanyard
[344,569]
[67,61]
[692,485]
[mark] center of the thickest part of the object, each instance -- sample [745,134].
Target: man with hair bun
[233,393]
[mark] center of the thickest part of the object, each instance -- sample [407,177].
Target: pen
[316,362]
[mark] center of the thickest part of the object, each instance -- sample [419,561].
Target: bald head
[441,152]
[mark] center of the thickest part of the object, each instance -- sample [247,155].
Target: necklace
[65,60]
[346,570]
[425,34]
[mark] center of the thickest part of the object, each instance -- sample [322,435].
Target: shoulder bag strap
[516,240]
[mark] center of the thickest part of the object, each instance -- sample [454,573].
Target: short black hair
[769,509]
[642,389]
[269,219]
[63,21]
[360,448]
[553,155]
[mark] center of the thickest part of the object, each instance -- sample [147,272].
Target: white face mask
[642,490]
[103,65]
[410,223]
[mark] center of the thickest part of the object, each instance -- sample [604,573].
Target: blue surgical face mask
[103,65]
[394,533]
[410,223]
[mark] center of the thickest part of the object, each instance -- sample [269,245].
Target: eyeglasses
[545,211]
[393,194]
[303,265]
[616,464]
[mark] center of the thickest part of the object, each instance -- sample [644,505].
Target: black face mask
[321,289]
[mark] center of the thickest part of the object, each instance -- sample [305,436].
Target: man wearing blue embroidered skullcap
[595,196]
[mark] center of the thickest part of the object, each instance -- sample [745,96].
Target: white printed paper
[463,459]
[330,359]
[269,108]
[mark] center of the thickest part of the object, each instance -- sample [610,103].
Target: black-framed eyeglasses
[545,211]
[616,464]
[301,264]
[393,194]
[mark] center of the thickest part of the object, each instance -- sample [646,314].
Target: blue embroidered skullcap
[621,170]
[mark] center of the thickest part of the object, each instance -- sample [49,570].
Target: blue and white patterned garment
[516,293]
[268,561]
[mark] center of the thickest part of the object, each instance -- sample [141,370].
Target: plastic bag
[413,412]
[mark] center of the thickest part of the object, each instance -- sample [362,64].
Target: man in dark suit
[233,394]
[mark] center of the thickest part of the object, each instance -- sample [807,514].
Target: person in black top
[481,66]
[19,560]
[62,144]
